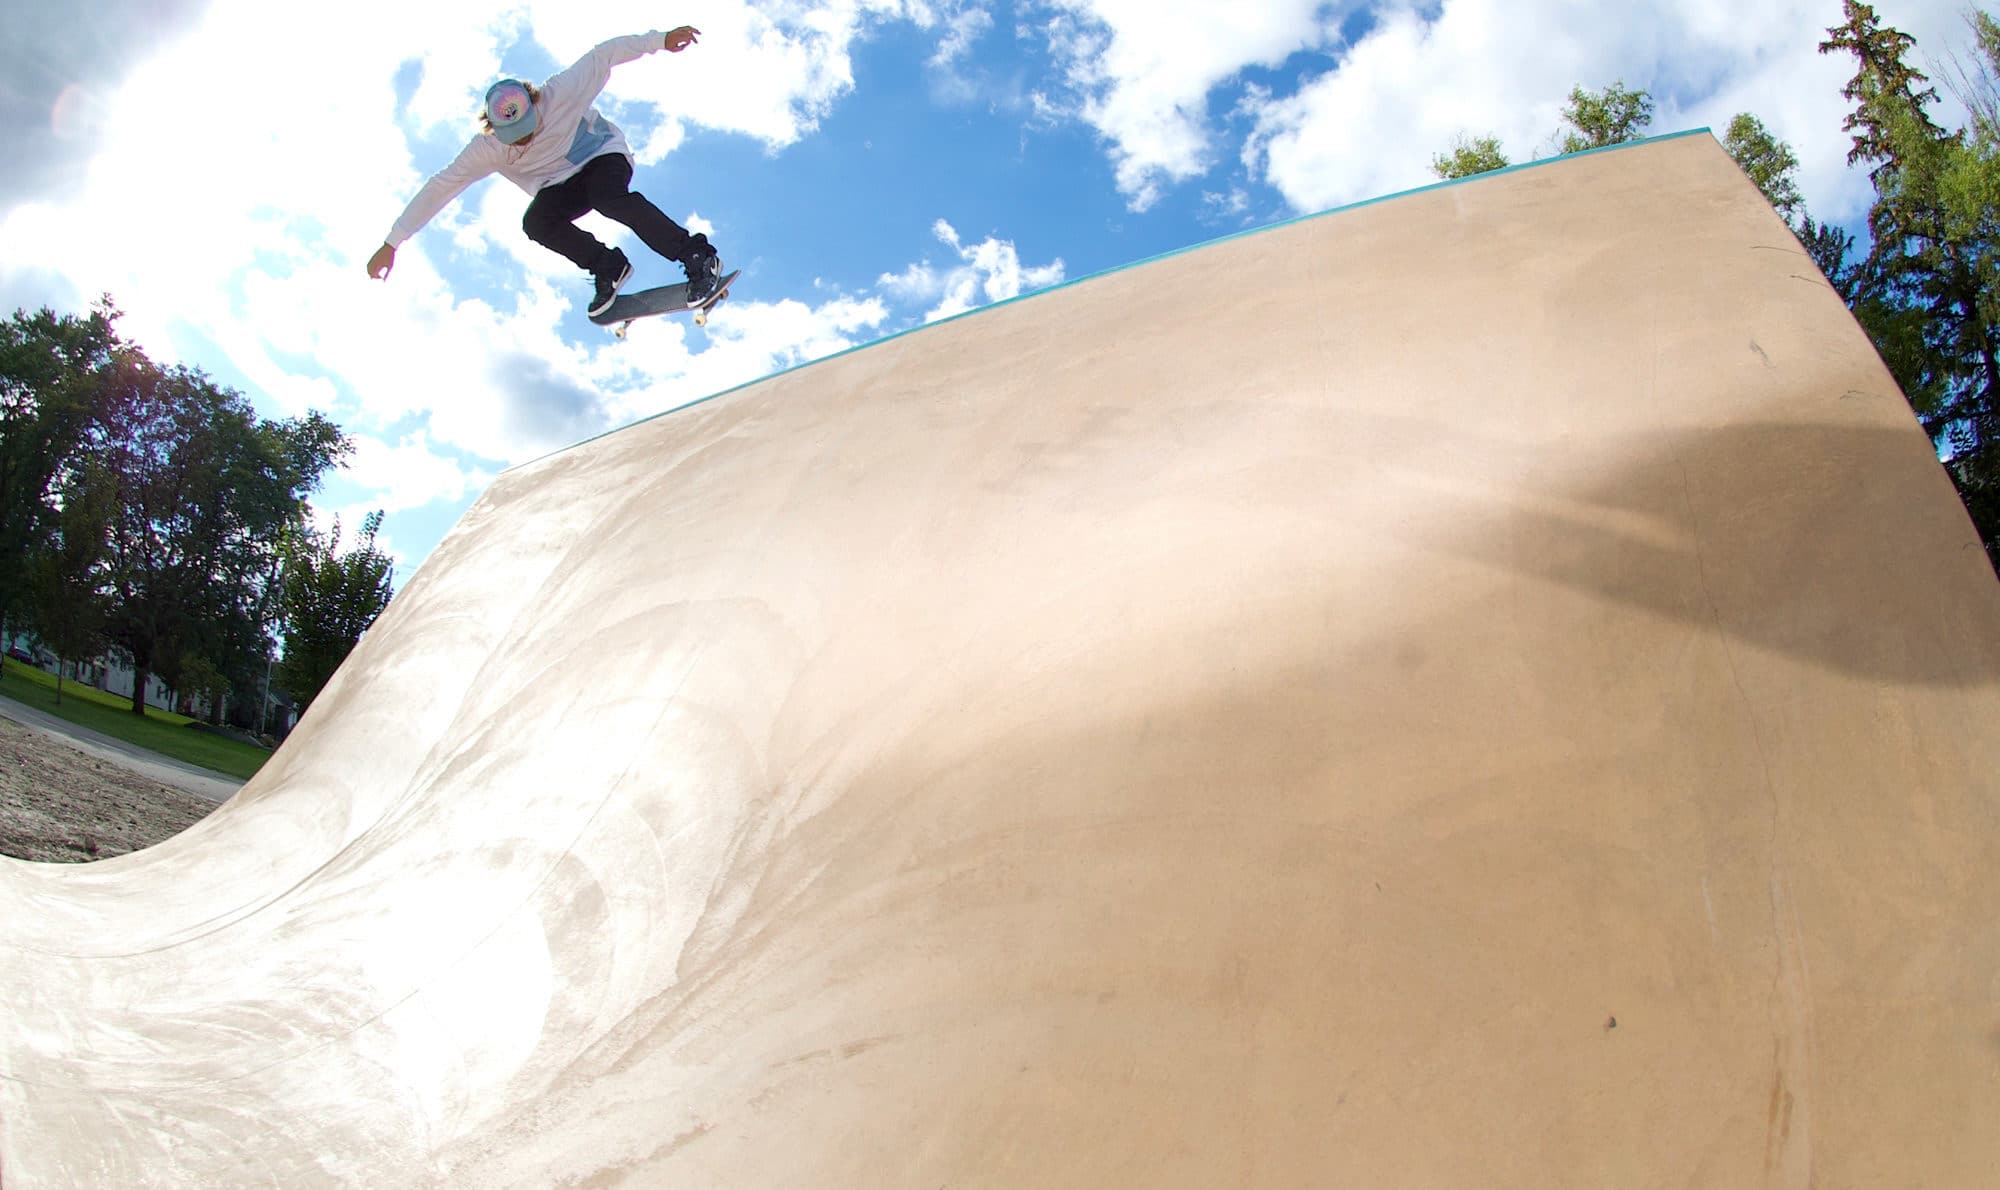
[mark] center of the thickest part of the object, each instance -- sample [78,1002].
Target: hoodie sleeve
[473,162]
[590,72]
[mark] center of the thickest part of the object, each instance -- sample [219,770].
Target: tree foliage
[206,493]
[1925,290]
[1767,161]
[1593,119]
[329,599]
[147,510]
[51,369]
[1597,119]
[1884,87]
[1470,155]
[1618,114]
[71,601]
[1831,248]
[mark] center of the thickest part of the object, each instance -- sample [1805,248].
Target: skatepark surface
[1510,700]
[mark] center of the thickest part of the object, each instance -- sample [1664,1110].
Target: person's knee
[620,205]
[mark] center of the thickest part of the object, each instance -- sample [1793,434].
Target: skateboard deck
[664,299]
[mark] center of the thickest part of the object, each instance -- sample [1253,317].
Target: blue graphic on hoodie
[591,135]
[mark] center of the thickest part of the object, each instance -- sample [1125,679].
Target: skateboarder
[552,143]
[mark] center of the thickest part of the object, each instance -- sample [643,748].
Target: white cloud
[756,339]
[1225,206]
[1370,116]
[956,76]
[1141,71]
[766,70]
[456,55]
[348,519]
[1407,89]
[665,363]
[989,271]
[247,228]
[1368,120]
[409,473]
[962,31]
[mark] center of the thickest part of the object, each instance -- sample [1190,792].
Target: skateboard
[665,299]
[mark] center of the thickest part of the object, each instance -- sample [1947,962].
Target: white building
[115,678]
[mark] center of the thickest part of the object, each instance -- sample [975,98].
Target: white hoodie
[572,132]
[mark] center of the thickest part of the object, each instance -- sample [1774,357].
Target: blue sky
[224,168]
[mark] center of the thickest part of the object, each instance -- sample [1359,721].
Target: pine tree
[1925,291]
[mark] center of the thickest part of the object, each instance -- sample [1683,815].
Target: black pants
[602,185]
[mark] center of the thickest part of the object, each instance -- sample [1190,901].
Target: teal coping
[1137,264]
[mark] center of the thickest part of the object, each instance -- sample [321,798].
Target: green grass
[160,731]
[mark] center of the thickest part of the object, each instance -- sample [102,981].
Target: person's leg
[551,222]
[608,182]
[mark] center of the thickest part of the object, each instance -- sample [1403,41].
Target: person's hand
[380,263]
[682,38]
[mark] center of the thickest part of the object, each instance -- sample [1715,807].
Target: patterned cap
[511,112]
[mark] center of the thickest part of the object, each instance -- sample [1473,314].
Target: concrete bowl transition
[1503,695]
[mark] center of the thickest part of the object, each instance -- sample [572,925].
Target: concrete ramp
[1509,699]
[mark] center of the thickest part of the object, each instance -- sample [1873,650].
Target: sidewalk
[217,787]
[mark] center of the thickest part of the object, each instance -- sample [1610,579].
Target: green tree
[68,576]
[1884,90]
[1617,115]
[1772,165]
[1470,155]
[1925,291]
[206,494]
[51,369]
[1612,116]
[329,599]
[1831,248]
[202,688]
[1767,161]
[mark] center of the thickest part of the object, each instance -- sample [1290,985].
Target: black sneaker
[609,277]
[704,270]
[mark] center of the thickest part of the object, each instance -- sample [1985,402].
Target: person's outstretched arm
[473,162]
[590,72]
